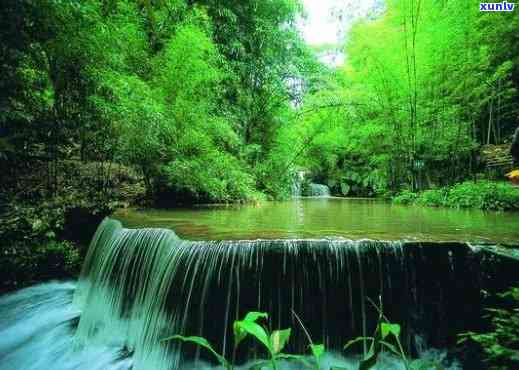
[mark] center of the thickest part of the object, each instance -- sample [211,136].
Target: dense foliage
[105,104]
[487,195]
[425,84]
[190,93]
[217,101]
[501,343]
[43,237]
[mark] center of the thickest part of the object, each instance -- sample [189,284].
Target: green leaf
[249,327]
[239,332]
[254,316]
[387,328]
[202,342]
[278,339]
[317,350]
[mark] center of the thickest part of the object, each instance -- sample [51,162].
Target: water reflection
[330,217]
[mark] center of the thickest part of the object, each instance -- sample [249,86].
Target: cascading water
[297,184]
[319,190]
[140,286]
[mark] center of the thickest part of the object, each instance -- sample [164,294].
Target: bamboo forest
[259,185]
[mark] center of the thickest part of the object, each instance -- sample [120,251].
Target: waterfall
[319,190]
[140,286]
[297,184]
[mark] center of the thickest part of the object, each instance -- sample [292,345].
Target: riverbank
[483,194]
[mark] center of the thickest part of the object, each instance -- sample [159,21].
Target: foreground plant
[386,332]
[273,342]
[276,341]
[317,350]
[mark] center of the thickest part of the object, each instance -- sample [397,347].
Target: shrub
[433,197]
[217,177]
[31,245]
[405,197]
[24,263]
[486,195]
[500,345]
[42,229]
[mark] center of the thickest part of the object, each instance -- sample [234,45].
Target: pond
[329,217]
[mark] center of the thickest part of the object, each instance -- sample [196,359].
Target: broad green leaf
[202,342]
[239,332]
[253,329]
[387,328]
[278,339]
[254,316]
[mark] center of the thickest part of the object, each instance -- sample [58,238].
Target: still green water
[329,217]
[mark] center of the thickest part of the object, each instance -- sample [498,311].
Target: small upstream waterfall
[297,184]
[140,286]
[319,190]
